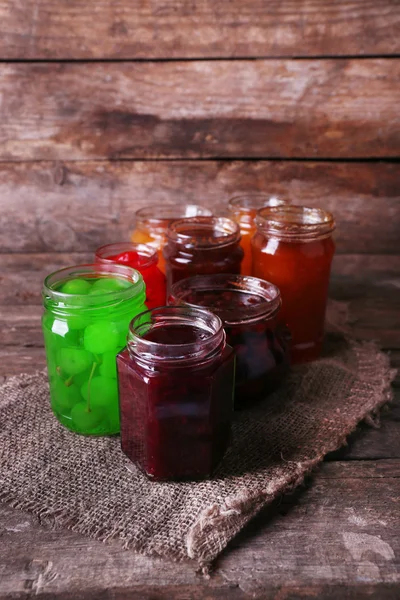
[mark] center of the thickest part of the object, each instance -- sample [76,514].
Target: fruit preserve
[202,246]
[144,259]
[243,210]
[87,313]
[293,248]
[176,380]
[152,223]
[248,308]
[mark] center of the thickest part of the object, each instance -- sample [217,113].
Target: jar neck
[204,233]
[66,304]
[295,223]
[136,256]
[156,218]
[145,329]
[236,299]
[243,209]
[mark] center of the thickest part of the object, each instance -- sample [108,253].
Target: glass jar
[144,259]
[243,210]
[248,308]
[293,248]
[202,246]
[87,311]
[176,380]
[152,223]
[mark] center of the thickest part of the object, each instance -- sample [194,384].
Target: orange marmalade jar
[243,210]
[152,223]
[293,249]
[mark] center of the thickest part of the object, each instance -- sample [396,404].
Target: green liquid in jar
[82,341]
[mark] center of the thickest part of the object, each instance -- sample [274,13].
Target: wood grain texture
[340,530]
[182,29]
[77,206]
[262,109]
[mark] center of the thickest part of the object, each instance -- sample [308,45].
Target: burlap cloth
[87,485]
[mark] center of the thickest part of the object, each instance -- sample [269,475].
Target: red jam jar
[202,246]
[144,259]
[248,308]
[176,381]
[152,223]
[243,210]
[293,248]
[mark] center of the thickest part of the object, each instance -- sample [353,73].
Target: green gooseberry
[103,392]
[76,287]
[101,337]
[86,420]
[65,397]
[109,284]
[113,417]
[108,367]
[74,360]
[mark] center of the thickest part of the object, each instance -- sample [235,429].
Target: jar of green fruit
[87,313]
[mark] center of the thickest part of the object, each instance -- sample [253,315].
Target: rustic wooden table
[336,537]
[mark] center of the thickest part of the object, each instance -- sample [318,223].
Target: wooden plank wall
[109,106]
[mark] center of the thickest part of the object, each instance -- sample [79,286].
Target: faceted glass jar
[202,246]
[152,224]
[87,311]
[293,248]
[144,259]
[249,309]
[243,210]
[176,380]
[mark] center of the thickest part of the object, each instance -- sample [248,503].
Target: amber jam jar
[248,308]
[176,381]
[202,246]
[243,210]
[293,248]
[152,223]
[144,259]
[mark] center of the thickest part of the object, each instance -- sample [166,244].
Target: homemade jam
[144,259]
[87,313]
[293,248]
[248,308]
[202,246]
[176,380]
[152,223]
[243,210]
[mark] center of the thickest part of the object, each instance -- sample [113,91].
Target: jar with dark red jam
[202,246]
[293,248]
[144,259]
[152,223]
[248,308]
[176,382]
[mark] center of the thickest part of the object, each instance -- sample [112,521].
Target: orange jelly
[293,249]
[152,224]
[243,210]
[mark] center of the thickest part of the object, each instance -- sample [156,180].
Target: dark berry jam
[176,396]
[142,258]
[248,308]
[202,245]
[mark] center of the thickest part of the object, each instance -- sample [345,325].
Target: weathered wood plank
[340,530]
[262,109]
[181,29]
[84,204]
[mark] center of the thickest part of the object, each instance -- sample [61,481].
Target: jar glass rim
[79,301]
[268,293]
[149,351]
[204,232]
[163,214]
[295,223]
[148,254]
[254,201]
